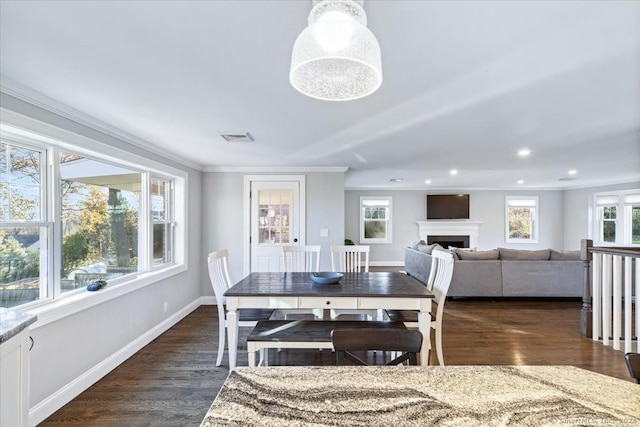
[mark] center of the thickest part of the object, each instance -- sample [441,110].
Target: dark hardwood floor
[174,380]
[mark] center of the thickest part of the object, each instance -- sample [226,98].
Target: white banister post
[617,301]
[637,282]
[597,296]
[628,323]
[606,298]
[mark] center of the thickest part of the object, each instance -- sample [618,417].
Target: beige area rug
[424,396]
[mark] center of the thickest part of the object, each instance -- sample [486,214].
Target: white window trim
[169,220]
[389,238]
[28,129]
[534,232]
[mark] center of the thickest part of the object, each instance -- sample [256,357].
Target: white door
[275,221]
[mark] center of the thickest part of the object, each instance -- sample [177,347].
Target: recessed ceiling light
[520,181]
[573,172]
[396,179]
[428,181]
[453,172]
[524,152]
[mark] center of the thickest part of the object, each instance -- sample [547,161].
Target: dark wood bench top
[310,330]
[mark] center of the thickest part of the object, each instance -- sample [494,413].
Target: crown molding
[51,105]
[275,169]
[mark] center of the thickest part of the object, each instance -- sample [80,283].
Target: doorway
[274,217]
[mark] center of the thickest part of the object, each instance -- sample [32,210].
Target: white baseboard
[210,300]
[57,400]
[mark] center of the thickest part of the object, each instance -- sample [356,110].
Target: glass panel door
[274,211]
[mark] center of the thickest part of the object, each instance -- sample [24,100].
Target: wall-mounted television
[447,206]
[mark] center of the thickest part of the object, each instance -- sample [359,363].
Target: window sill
[54,310]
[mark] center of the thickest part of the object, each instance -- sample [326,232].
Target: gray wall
[66,349]
[487,206]
[222,195]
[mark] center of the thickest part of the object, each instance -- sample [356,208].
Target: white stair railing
[615,286]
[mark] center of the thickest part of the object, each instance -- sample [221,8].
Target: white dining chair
[217,263]
[301,259]
[439,280]
[350,258]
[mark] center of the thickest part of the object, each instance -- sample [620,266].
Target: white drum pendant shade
[336,58]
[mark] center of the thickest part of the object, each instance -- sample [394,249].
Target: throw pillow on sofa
[414,245]
[476,255]
[427,249]
[564,255]
[524,255]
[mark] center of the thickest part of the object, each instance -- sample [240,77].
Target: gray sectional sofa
[504,272]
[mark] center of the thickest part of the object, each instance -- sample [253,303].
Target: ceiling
[466,84]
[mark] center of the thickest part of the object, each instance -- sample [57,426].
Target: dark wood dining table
[361,291]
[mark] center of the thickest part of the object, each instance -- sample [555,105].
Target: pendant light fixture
[336,58]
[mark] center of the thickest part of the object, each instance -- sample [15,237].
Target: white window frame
[366,201]
[524,201]
[28,131]
[44,221]
[168,220]
[623,201]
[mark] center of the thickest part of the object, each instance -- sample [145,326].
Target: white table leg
[424,326]
[232,330]
[251,354]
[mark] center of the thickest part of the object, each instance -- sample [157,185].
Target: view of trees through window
[635,225]
[99,207]
[100,204]
[375,222]
[521,218]
[520,221]
[609,223]
[23,234]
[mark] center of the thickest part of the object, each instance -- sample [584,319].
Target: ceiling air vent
[566,179]
[237,136]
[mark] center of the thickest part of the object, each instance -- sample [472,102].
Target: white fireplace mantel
[448,227]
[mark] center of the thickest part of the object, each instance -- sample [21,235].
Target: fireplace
[459,233]
[446,241]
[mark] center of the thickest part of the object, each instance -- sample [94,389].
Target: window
[617,218]
[162,221]
[24,234]
[99,218]
[606,211]
[634,222]
[521,219]
[71,216]
[375,220]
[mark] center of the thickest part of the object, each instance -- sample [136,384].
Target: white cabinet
[14,380]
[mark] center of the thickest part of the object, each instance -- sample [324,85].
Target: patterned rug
[424,396]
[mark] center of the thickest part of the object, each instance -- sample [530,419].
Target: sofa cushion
[524,255]
[453,250]
[477,255]
[414,245]
[564,255]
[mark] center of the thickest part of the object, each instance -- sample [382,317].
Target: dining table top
[372,284]
[420,396]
